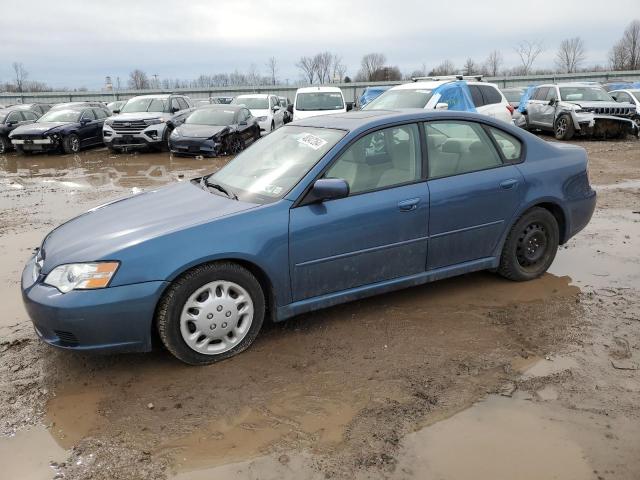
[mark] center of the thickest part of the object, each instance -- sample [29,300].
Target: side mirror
[290,109]
[349,106]
[552,102]
[10,124]
[175,109]
[84,121]
[275,108]
[327,189]
[442,106]
[242,123]
[116,111]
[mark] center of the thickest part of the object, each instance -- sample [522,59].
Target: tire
[178,321]
[563,128]
[71,143]
[636,120]
[164,145]
[5,145]
[530,246]
[273,126]
[236,145]
[112,149]
[20,151]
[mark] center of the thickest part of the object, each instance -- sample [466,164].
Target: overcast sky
[77,43]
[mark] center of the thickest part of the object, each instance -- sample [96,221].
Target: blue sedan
[323,211]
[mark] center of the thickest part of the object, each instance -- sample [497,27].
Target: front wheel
[211,313]
[563,128]
[235,145]
[71,143]
[530,246]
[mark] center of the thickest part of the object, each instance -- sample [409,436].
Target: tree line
[329,67]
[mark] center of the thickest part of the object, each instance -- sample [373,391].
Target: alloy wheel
[561,127]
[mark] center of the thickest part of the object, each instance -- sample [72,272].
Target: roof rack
[448,77]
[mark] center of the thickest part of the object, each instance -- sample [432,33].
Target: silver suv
[146,121]
[569,109]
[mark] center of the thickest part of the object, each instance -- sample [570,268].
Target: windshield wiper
[205,182]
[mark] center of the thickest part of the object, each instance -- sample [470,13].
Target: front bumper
[604,125]
[151,136]
[113,319]
[36,144]
[195,146]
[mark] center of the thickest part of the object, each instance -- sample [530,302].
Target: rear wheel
[530,246]
[563,128]
[5,144]
[71,143]
[211,313]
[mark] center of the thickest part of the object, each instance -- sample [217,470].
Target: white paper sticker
[312,141]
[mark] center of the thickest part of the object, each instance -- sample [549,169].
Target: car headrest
[452,146]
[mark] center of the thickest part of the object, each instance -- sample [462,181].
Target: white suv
[266,109]
[314,101]
[421,93]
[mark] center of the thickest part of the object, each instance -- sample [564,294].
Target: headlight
[153,121]
[108,121]
[81,276]
[175,133]
[53,136]
[261,119]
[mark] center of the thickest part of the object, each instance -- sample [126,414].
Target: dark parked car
[59,106]
[221,100]
[286,104]
[215,130]
[39,108]
[10,119]
[68,129]
[325,210]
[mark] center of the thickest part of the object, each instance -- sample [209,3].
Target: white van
[314,101]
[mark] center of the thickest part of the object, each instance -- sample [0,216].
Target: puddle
[73,414]
[497,438]
[533,366]
[624,184]
[27,455]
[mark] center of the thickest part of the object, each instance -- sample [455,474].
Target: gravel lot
[469,378]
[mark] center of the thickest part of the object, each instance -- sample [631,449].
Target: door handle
[408,205]
[508,184]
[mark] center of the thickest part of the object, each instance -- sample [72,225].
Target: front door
[378,232]
[474,189]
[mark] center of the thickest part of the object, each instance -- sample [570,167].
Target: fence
[351,91]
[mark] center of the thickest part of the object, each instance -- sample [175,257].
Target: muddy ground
[470,378]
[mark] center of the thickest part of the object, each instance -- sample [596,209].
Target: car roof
[222,106]
[571,84]
[162,96]
[431,84]
[319,88]
[363,119]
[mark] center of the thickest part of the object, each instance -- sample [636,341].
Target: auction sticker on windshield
[312,141]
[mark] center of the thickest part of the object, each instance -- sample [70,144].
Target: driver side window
[379,160]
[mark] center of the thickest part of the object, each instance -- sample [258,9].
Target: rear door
[534,108]
[378,232]
[88,132]
[475,189]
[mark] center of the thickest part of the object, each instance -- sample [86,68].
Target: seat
[444,160]
[478,157]
[402,154]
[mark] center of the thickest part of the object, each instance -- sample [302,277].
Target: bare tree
[20,75]
[369,64]
[528,51]
[625,54]
[470,67]
[253,75]
[570,55]
[447,67]
[138,80]
[493,63]
[272,68]
[323,62]
[308,67]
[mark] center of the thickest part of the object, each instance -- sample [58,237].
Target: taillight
[510,108]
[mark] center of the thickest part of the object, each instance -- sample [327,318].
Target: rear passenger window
[541,93]
[509,145]
[99,113]
[476,95]
[381,159]
[183,104]
[30,115]
[88,114]
[455,147]
[490,94]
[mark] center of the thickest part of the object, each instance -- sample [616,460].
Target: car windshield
[136,105]
[211,116]
[513,95]
[586,94]
[401,98]
[268,169]
[315,101]
[60,116]
[258,103]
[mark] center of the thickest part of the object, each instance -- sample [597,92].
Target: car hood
[39,128]
[139,116]
[199,131]
[602,104]
[259,112]
[103,231]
